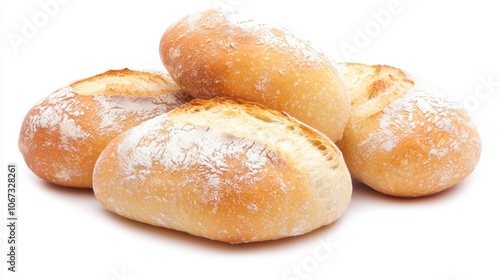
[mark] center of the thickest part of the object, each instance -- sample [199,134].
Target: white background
[64,233]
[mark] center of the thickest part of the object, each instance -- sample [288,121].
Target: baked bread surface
[63,134]
[225,54]
[226,170]
[405,137]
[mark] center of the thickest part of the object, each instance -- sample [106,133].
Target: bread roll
[226,170]
[62,135]
[405,137]
[222,53]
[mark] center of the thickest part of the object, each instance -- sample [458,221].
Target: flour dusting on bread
[225,169]
[57,113]
[181,146]
[399,120]
[64,133]
[406,137]
[116,109]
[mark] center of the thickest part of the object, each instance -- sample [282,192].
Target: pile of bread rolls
[252,135]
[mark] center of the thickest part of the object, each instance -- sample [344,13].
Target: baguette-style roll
[226,170]
[62,135]
[224,54]
[405,137]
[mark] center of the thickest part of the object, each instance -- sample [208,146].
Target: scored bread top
[81,118]
[403,104]
[373,87]
[126,82]
[405,135]
[308,149]
[121,96]
[227,170]
[260,133]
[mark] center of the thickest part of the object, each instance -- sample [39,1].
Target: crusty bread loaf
[227,170]
[405,137]
[224,54]
[62,135]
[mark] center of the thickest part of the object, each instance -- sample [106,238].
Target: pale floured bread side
[405,137]
[226,170]
[219,53]
[63,134]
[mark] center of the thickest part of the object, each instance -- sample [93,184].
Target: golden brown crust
[405,138]
[223,54]
[63,134]
[227,170]
[126,82]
